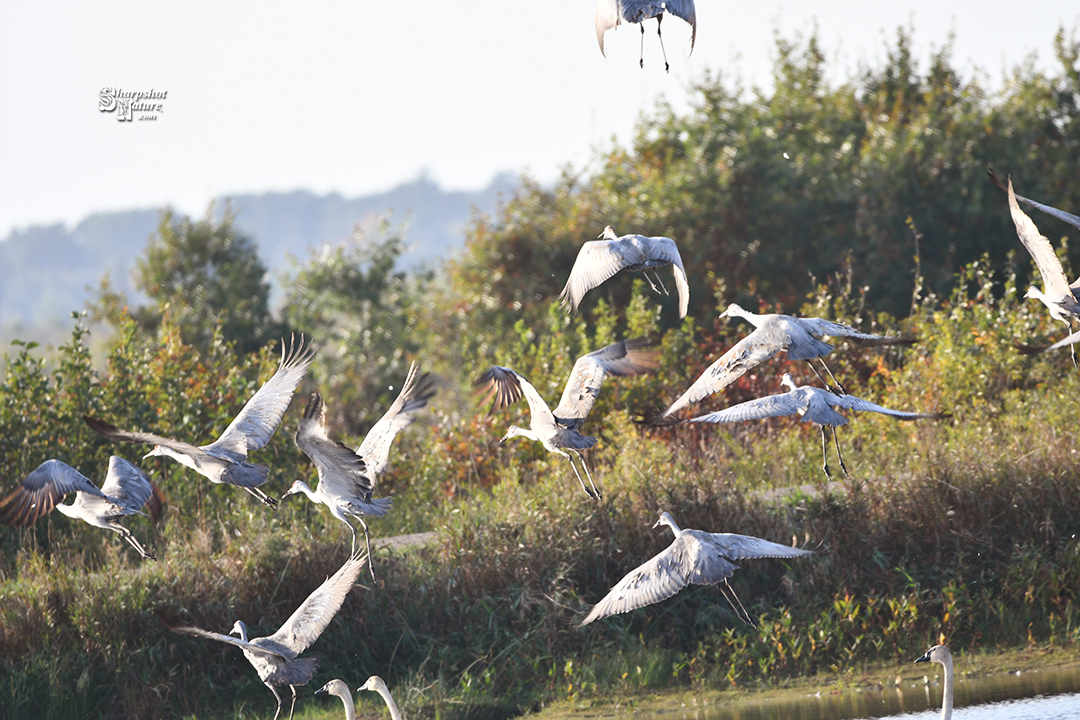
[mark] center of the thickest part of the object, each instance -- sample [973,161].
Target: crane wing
[342,472]
[636,356]
[508,386]
[1049,210]
[310,619]
[821,327]
[788,403]
[246,646]
[42,489]
[597,261]
[607,17]
[110,431]
[414,395]
[741,547]
[859,405]
[128,485]
[259,418]
[1057,286]
[685,561]
[748,353]
[684,9]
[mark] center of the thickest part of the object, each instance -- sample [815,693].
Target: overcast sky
[357,96]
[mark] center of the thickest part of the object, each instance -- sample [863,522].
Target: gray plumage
[414,395]
[609,13]
[505,383]
[773,333]
[599,260]
[941,654]
[1059,295]
[813,404]
[694,556]
[275,657]
[126,490]
[560,430]
[225,459]
[344,484]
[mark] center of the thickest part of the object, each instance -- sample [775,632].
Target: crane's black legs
[126,534]
[641,57]
[292,708]
[667,68]
[838,455]
[593,493]
[367,542]
[278,697]
[739,611]
[1072,346]
[825,453]
[657,276]
[263,497]
[839,389]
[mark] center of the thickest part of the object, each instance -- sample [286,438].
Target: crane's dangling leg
[126,534]
[292,708]
[278,697]
[367,542]
[825,453]
[838,455]
[744,616]
[596,492]
[838,390]
[657,276]
[578,476]
[1072,347]
[641,56]
[263,497]
[660,17]
[648,279]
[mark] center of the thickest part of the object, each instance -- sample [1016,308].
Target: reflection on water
[1053,693]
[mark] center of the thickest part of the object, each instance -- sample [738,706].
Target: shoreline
[872,676]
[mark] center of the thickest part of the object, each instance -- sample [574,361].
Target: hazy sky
[357,96]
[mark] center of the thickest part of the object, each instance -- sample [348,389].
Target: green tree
[206,276]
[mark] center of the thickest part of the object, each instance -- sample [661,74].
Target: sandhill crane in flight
[800,337]
[598,260]
[225,459]
[609,13]
[814,405]
[1060,297]
[941,654]
[126,490]
[558,431]
[275,657]
[414,395]
[1049,210]
[344,486]
[694,556]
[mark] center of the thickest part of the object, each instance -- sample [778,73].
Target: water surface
[1045,694]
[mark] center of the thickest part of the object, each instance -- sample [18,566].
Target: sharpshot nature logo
[131,105]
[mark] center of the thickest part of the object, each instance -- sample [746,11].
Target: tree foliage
[206,276]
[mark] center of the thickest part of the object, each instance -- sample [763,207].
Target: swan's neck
[395,714]
[346,699]
[947,695]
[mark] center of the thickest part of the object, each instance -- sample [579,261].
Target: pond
[1045,694]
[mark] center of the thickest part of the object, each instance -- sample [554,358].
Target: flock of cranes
[347,477]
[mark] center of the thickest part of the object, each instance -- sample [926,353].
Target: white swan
[341,690]
[941,654]
[376,684]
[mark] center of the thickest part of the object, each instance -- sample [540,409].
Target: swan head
[372,684]
[334,687]
[239,628]
[938,654]
[512,432]
[608,234]
[298,486]
[788,382]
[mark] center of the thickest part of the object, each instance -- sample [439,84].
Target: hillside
[47,271]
